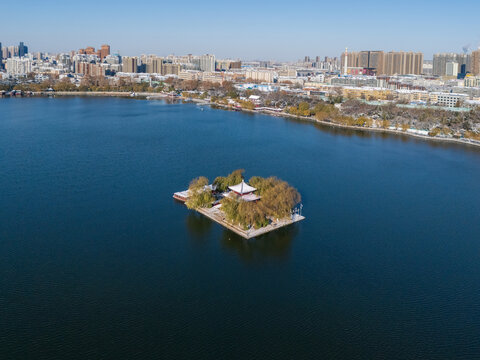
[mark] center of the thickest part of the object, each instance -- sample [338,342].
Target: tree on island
[244,213]
[200,196]
[222,183]
[278,199]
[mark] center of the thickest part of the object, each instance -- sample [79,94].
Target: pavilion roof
[242,188]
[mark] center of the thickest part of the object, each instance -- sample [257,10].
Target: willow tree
[278,197]
[223,182]
[243,213]
[200,195]
[279,200]
[263,184]
[230,208]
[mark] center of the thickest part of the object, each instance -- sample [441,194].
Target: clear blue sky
[242,29]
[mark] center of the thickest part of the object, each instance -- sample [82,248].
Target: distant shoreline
[160,96]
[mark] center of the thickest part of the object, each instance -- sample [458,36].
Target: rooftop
[242,188]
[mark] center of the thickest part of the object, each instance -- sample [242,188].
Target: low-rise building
[367,93]
[412,95]
[471,81]
[189,75]
[447,99]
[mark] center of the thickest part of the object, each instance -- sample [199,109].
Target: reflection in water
[274,245]
[362,133]
[198,225]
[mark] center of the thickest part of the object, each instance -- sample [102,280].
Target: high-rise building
[452,69]
[129,64]
[113,59]
[349,59]
[1,56]
[427,67]
[475,62]
[440,62]
[225,65]
[19,66]
[402,63]
[207,63]
[87,68]
[261,75]
[12,51]
[170,69]
[103,52]
[154,65]
[22,50]
[64,59]
[372,60]
[384,63]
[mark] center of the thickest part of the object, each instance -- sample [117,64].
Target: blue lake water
[98,261]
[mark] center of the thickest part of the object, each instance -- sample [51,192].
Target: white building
[452,69]
[447,99]
[471,81]
[19,66]
[207,63]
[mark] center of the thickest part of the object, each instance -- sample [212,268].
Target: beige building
[153,65]
[367,93]
[129,64]
[261,75]
[170,69]
[394,62]
[402,63]
[225,65]
[89,69]
[412,95]
[190,75]
[214,77]
[475,62]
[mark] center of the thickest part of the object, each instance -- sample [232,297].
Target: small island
[248,209]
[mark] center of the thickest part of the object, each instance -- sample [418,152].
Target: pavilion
[244,191]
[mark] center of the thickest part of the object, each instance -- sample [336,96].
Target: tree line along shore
[428,122]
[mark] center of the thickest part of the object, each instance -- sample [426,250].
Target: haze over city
[282,30]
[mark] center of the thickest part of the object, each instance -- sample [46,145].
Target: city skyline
[247,31]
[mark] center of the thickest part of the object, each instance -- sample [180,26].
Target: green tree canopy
[199,195]
[278,200]
[223,182]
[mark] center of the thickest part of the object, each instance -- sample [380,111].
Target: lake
[98,261]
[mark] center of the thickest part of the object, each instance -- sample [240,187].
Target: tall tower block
[345,66]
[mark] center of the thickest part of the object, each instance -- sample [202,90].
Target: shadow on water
[198,225]
[274,246]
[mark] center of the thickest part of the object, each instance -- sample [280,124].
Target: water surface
[98,261]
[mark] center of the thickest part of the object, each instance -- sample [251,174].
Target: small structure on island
[244,191]
[244,209]
[184,195]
